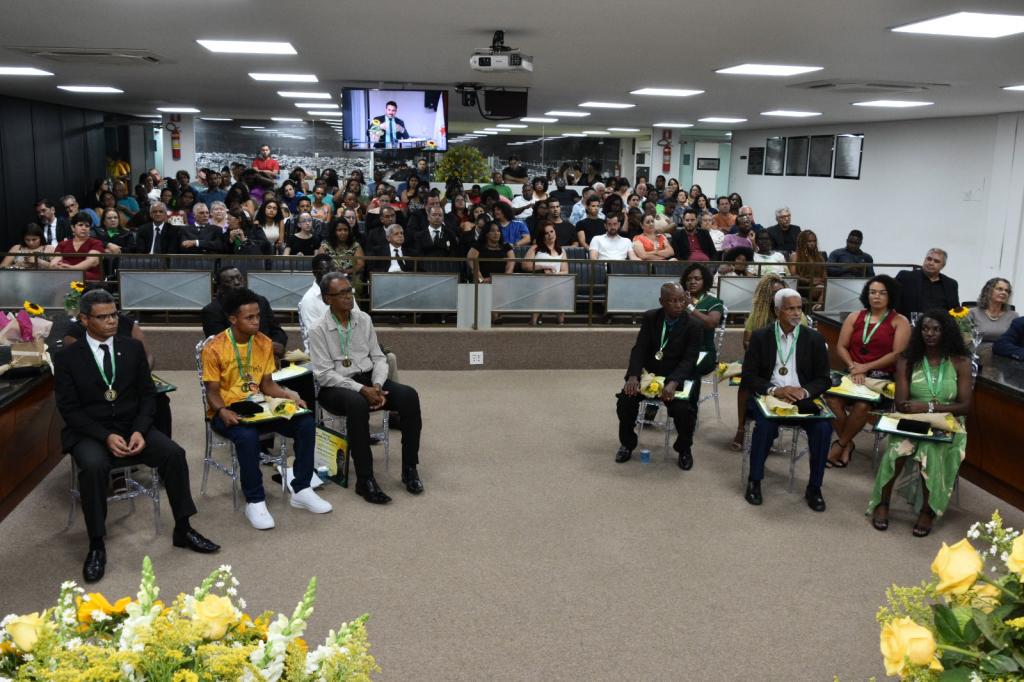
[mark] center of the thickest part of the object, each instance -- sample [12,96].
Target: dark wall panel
[72,124]
[18,166]
[47,145]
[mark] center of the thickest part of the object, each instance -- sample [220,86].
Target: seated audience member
[742,235]
[932,375]
[522,203]
[927,288]
[592,225]
[437,240]
[514,172]
[457,212]
[804,263]
[497,183]
[214,191]
[229,278]
[81,251]
[650,245]
[270,219]
[870,342]
[749,213]
[202,236]
[579,208]
[158,235]
[513,232]
[707,224]
[303,242]
[692,244]
[992,316]
[546,257]
[540,215]
[707,309]
[500,258]
[784,232]
[667,345]
[237,366]
[766,259]
[393,255]
[611,245]
[563,228]
[311,306]
[737,264]
[55,228]
[105,395]
[790,363]
[540,188]
[561,194]
[352,374]
[71,208]
[1011,343]
[852,262]
[725,218]
[26,255]
[345,252]
[244,237]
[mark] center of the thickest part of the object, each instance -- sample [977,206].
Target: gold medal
[345,362]
[783,371]
[659,355]
[110,394]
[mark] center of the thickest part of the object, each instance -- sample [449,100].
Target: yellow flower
[903,641]
[216,614]
[6,648]
[1015,562]
[889,391]
[25,631]
[376,121]
[94,601]
[957,568]
[431,144]
[78,287]
[1016,623]
[31,308]
[959,312]
[185,676]
[984,597]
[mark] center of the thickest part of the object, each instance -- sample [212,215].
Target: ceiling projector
[497,57]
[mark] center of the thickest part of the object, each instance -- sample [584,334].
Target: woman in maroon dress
[81,252]
[869,344]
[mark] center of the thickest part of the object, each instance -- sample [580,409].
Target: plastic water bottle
[645,456]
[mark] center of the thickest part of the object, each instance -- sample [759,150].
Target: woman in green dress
[345,252]
[696,281]
[932,375]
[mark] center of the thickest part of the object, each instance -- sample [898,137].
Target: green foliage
[463,162]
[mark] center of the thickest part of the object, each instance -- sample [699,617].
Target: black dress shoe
[623,454]
[685,460]
[753,494]
[193,540]
[371,492]
[814,499]
[95,565]
[412,481]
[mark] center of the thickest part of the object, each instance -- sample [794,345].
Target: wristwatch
[931,406]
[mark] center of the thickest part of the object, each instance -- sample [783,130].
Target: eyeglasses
[347,293]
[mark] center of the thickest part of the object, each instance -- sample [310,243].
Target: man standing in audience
[591,226]
[784,232]
[854,262]
[55,229]
[667,345]
[564,230]
[267,166]
[158,235]
[725,218]
[611,245]
[691,244]
[514,171]
[789,363]
[927,289]
[238,365]
[352,374]
[564,196]
[105,394]
[513,232]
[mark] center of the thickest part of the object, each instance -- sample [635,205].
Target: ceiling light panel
[721,119]
[892,104]
[596,132]
[98,89]
[1017,88]
[211,118]
[247,47]
[511,125]
[968,25]
[178,110]
[768,70]
[667,92]
[325,114]
[607,105]
[316,105]
[569,114]
[792,113]
[304,95]
[624,130]
[673,125]
[283,118]
[284,77]
[538,119]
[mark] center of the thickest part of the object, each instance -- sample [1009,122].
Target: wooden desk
[30,435]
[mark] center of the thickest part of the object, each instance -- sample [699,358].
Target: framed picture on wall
[755,160]
[820,163]
[849,150]
[707,164]
[774,155]
[796,155]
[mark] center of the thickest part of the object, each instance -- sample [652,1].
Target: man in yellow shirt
[237,366]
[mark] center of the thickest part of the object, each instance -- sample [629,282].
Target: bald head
[673,299]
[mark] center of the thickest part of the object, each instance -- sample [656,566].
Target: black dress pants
[682,412]
[353,406]
[95,461]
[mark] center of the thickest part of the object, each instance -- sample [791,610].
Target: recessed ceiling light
[252,127]
[573,135]
[721,119]
[790,112]
[325,114]
[968,25]
[22,71]
[178,110]
[673,125]
[147,115]
[511,125]
[596,132]
[99,89]
[570,114]
[483,132]
[304,95]
[496,130]
[284,118]
[316,105]
[624,130]
[768,70]
[538,119]
[247,47]
[1014,87]
[285,77]
[667,92]
[892,104]
[607,105]
[210,118]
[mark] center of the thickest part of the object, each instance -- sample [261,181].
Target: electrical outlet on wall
[476,357]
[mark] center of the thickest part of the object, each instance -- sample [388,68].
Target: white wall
[708,180]
[951,183]
[187,126]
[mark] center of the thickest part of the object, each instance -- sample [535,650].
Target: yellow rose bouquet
[966,623]
[651,386]
[204,636]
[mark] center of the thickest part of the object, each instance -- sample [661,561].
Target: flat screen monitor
[395,119]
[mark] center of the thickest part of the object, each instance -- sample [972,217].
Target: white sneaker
[315,482]
[258,515]
[307,499]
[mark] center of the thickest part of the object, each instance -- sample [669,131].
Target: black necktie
[156,237]
[108,367]
[49,234]
[396,254]
[437,234]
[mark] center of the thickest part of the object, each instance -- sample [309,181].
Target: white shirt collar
[94,345]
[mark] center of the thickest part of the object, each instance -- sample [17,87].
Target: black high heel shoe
[878,523]
[920,531]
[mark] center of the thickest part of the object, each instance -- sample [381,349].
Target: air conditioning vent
[88,55]
[854,87]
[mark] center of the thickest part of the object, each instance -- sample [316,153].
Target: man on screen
[392,127]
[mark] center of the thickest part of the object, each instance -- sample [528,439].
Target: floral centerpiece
[463,162]
[967,622]
[198,637]
[71,299]
[25,331]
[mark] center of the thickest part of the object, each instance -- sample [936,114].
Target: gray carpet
[532,555]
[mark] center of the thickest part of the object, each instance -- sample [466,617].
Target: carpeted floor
[532,555]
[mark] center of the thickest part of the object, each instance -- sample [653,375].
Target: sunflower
[431,144]
[375,122]
[32,309]
[78,287]
[959,312]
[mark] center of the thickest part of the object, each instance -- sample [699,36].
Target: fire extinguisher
[175,141]
[666,151]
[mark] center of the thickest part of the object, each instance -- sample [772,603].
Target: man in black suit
[393,128]
[790,363]
[395,251]
[203,237]
[684,239]
[55,228]
[667,345]
[927,288]
[105,394]
[230,278]
[436,240]
[158,235]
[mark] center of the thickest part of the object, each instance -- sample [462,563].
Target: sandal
[838,464]
[878,522]
[737,441]
[920,531]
